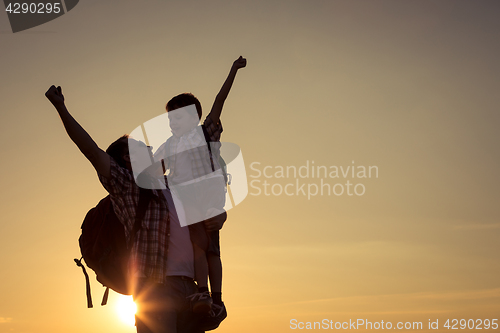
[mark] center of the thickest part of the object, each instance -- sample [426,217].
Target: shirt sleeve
[120,186]
[120,180]
[214,130]
[162,153]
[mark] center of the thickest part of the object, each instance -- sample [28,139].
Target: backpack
[222,163]
[104,246]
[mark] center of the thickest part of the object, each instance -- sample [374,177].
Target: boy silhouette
[195,176]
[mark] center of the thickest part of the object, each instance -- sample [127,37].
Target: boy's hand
[239,63]
[224,91]
[55,96]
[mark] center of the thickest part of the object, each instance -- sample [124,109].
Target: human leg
[214,262]
[215,267]
[156,309]
[201,301]
[187,321]
[165,308]
[200,266]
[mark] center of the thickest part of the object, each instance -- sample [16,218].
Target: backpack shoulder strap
[207,139]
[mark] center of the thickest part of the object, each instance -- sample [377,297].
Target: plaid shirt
[195,144]
[149,252]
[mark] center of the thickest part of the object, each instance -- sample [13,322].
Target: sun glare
[126,309]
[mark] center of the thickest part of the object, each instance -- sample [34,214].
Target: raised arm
[224,91]
[99,158]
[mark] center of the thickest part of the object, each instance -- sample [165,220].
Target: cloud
[478,226]
[4,320]
[461,295]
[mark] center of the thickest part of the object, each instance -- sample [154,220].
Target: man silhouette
[161,260]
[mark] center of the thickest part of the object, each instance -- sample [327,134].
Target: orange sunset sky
[409,87]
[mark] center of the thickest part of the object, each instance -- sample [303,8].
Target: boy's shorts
[198,199]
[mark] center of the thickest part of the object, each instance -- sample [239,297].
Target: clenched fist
[240,63]
[55,96]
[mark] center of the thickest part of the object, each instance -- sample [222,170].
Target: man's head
[184,113]
[119,151]
[129,153]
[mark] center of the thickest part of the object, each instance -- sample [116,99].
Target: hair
[118,149]
[183,100]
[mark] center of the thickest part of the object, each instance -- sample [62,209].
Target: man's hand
[215,223]
[239,63]
[55,96]
[99,158]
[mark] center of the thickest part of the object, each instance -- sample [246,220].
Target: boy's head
[184,113]
[183,100]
